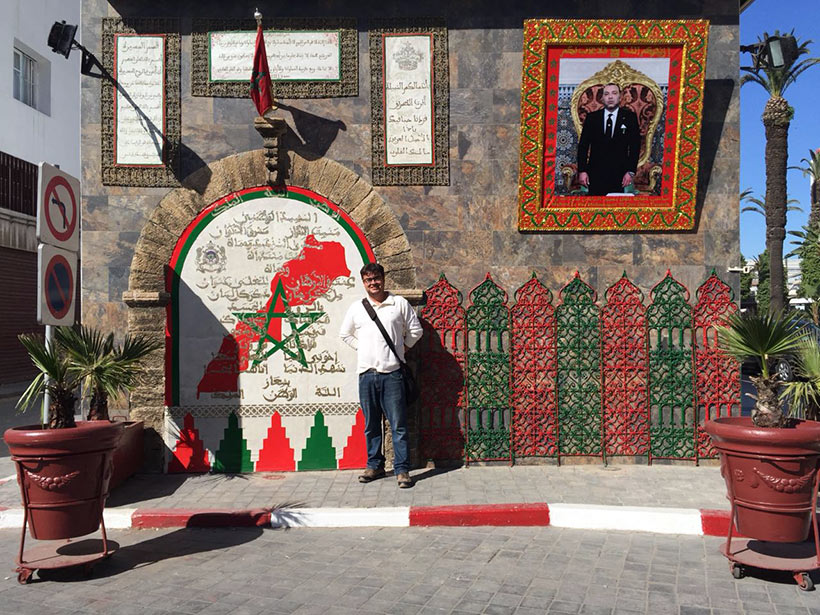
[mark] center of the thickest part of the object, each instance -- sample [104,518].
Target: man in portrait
[609,146]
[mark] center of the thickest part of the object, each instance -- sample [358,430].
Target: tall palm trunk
[814,212]
[776,118]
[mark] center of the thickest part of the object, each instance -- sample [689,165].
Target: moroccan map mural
[258,378]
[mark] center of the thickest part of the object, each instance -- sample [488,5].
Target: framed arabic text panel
[409,98]
[611,114]
[308,58]
[140,105]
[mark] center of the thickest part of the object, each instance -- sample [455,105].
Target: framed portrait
[611,116]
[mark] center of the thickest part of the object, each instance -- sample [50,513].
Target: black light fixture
[772,52]
[61,37]
[61,40]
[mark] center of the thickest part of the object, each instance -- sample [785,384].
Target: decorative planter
[129,454]
[769,474]
[63,475]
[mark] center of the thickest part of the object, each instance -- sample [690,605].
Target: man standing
[381,386]
[609,146]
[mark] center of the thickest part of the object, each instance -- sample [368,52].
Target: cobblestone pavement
[403,571]
[628,485]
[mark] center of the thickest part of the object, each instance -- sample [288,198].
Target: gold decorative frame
[545,42]
[154,176]
[437,174]
[348,85]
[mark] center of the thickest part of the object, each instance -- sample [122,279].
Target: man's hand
[627,179]
[583,178]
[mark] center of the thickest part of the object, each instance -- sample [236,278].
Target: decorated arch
[247,285]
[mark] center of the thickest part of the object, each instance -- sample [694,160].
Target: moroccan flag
[260,78]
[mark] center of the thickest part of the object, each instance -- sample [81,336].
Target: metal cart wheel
[804,581]
[737,570]
[24,576]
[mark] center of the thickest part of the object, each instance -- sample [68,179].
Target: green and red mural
[257,377]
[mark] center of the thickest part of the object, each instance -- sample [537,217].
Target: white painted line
[11,519]
[8,478]
[118,518]
[115,518]
[627,518]
[341,517]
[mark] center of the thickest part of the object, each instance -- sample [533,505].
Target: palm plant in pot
[64,467]
[769,460]
[109,370]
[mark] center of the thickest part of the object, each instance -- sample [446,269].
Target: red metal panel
[625,371]
[717,375]
[442,373]
[535,413]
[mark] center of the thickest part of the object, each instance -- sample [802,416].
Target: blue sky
[804,134]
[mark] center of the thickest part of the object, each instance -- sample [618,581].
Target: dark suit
[606,159]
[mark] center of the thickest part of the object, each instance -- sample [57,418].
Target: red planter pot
[129,454]
[63,475]
[770,475]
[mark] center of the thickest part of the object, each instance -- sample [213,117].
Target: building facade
[40,106]
[155,262]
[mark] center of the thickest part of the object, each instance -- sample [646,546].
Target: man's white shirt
[360,332]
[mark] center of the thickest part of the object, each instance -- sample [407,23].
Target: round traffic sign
[59,286]
[60,207]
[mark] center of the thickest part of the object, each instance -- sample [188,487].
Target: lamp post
[61,40]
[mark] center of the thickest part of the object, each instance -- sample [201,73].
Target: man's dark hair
[372,268]
[606,85]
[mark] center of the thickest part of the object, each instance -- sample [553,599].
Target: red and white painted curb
[688,521]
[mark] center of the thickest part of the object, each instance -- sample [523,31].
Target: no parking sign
[56,285]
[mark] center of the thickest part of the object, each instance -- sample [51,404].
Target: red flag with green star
[260,78]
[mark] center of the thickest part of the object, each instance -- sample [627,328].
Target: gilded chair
[638,92]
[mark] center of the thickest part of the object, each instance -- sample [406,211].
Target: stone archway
[147,298]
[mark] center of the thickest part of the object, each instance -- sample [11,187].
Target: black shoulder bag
[411,388]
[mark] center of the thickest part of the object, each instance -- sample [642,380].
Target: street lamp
[61,40]
[772,52]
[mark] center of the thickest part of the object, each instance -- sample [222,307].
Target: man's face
[612,97]
[373,284]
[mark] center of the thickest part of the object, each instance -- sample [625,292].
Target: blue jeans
[383,394]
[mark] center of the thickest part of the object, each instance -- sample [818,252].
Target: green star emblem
[298,322]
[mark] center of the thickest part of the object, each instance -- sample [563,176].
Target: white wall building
[40,99]
[40,111]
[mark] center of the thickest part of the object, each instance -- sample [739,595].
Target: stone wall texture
[463,230]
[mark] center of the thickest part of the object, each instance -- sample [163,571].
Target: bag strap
[375,318]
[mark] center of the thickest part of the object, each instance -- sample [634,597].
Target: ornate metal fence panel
[441,373]
[625,375]
[488,374]
[717,375]
[671,394]
[534,411]
[578,371]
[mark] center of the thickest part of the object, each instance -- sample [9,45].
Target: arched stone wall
[146,297]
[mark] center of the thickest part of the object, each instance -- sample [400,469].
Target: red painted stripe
[716,523]
[484,514]
[183,517]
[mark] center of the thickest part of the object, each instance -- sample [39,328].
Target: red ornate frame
[548,40]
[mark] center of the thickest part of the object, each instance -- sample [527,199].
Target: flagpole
[257,15]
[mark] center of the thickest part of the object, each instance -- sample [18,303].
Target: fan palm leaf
[759,336]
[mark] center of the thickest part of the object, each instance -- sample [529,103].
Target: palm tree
[776,117]
[803,393]
[106,369]
[812,171]
[763,337]
[57,375]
